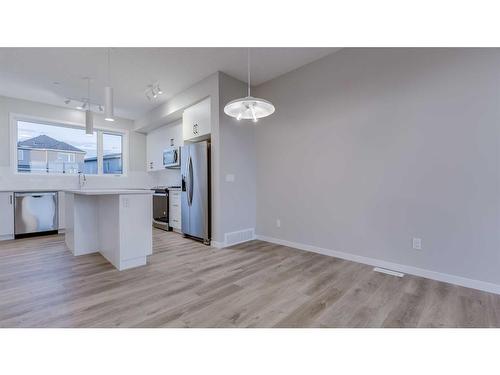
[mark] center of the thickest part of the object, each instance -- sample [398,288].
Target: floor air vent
[240,236]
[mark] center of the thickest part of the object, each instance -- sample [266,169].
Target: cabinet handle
[195,129]
[10,198]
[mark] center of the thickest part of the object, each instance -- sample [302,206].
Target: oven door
[160,212]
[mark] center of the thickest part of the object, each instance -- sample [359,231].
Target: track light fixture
[153,91]
[83,103]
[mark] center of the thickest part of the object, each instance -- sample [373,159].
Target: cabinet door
[196,120]
[150,151]
[155,144]
[6,215]
[174,137]
[62,210]
[174,209]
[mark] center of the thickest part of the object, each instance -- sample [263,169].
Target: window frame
[14,118]
[102,152]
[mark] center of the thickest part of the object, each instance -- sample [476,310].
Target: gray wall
[237,157]
[371,147]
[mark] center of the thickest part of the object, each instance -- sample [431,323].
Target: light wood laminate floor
[255,284]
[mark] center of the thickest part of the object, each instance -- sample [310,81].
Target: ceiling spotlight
[153,91]
[67,101]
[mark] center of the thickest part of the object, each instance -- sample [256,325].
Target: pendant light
[108,94]
[89,118]
[249,108]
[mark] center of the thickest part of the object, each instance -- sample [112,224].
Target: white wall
[136,176]
[371,147]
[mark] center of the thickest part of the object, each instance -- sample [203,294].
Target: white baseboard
[5,237]
[216,244]
[444,277]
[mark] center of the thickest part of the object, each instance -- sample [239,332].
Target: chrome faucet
[82,180]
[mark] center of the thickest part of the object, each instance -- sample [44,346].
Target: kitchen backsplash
[166,177]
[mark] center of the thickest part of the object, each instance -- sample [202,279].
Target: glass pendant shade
[249,108]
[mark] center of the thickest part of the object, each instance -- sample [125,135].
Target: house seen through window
[58,149]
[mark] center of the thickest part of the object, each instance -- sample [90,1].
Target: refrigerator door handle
[191,180]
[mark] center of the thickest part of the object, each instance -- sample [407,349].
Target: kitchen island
[115,223]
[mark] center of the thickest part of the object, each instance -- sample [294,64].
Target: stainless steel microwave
[172,157]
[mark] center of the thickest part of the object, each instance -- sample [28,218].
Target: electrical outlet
[126,202]
[278,223]
[417,243]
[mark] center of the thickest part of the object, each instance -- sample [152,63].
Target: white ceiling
[30,73]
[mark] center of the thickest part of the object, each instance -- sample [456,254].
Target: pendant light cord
[248,67]
[109,66]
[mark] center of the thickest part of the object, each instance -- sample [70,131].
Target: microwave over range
[172,157]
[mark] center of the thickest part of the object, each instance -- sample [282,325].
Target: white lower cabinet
[61,211]
[6,215]
[174,209]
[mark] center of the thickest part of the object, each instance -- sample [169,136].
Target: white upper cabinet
[160,139]
[196,121]
[174,135]
[6,215]
[155,141]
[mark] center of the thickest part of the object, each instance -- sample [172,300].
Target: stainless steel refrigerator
[195,195]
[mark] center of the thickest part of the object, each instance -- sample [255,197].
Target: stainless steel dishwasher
[35,213]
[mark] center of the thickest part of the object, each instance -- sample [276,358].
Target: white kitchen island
[115,223]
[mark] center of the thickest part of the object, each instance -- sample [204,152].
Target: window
[112,153]
[61,149]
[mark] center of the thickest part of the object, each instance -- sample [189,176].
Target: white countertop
[109,191]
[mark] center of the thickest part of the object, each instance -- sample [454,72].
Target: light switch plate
[417,243]
[230,178]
